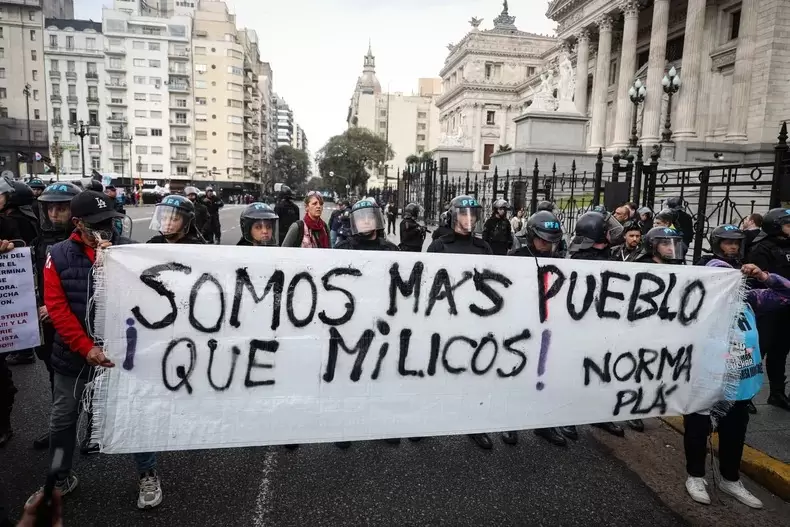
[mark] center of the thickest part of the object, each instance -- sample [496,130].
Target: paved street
[600,480]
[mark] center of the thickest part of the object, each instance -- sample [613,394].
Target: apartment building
[285,122]
[23,105]
[149,95]
[77,99]
[253,128]
[268,128]
[299,138]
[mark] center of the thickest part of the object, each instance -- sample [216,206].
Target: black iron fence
[712,194]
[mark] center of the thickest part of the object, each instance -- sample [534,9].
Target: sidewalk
[766,458]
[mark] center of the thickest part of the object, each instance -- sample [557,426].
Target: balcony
[115,136]
[178,88]
[57,123]
[114,50]
[115,85]
[180,158]
[116,119]
[178,71]
[93,124]
[180,140]
[96,147]
[118,68]
[92,75]
[178,54]
[54,74]
[71,75]
[93,100]
[178,122]
[115,102]
[247,82]
[119,156]
[55,98]
[72,99]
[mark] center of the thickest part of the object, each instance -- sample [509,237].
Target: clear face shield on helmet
[465,220]
[671,250]
[261,232]
[54,216]
[614,230]
[168,221]
[366,221]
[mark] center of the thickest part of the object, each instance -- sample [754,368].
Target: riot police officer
[174,218]
[728,244]
[497,231]
[412,234]
[367,229]
[664,245]
[259,225]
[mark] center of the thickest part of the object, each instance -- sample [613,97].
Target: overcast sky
[316,47]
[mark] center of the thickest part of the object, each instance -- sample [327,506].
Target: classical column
[742,77]
[625,108]
[690,73]
[655,72]
[582,64]
[477,113]
[601,84]
[503,127]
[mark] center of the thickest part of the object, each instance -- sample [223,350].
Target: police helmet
[411,211]
[21,196]
[464,215]
[172,215]
[366,217]
[674,203]
[501,204]
[773,221]
[546,226]
[36,184]
[666,243]
[728,232]
[545,205]
[262,215]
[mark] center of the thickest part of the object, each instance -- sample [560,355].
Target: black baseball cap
[93,207]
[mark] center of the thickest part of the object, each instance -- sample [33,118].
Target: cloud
[316,47]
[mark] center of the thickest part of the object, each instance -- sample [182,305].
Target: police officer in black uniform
[174,218]
[464,222]
[545,205]
[497,231]
[683,222]
[770,252]
[259,224]
[201,212]
[213,229]
[286,210]
[543,235]
[596,232]
[412,234]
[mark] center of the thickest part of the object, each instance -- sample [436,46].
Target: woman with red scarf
[311,232]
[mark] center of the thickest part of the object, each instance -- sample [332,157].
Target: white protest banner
[19,328]
[235,346]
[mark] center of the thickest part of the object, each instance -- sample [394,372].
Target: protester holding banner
[543,233]
[75,355]
[311,232]
[174,219]
[259,224]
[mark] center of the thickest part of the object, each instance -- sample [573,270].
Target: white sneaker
[150,490]
[739,492]
[697,491]
[65,486]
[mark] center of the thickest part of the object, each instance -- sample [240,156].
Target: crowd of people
[68,225]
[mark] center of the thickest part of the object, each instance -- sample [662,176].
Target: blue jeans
[332,238]
[66,399]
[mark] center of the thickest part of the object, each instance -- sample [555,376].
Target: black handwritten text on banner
[224,347]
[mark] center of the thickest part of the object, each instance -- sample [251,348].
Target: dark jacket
[441,230]
[244,242]
[498,233]
[288,213]
[412,235]
[685,225]
[458,244]
[772,255]
[334,220]
[592,254]
[355,243]
[26,223]
[41,248]
[213,205]
[201,216]
[191,238]
[621,254]
[751,236]
[73,269]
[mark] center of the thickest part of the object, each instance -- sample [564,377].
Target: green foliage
[344,158]
[291,166]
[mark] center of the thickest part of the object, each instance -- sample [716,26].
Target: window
[139,79]
[95,163]
[90,43]
[71,66]
[200,85]
[200,50]
[182,103]
[1,32]
[35,95]
[383,113]
[33,35]
[93,92]
[139,96]
[137,44]
[4,112]
[530,71]
[33,55]
[140,149]
[488,150]
[155,114]
[490,119]
[200,68]
[137,62]
[69,42]
[115,63]
[148,30]
[38,135]
[56,89]
[233,70]
[382,124]
[155,97]
[141,113]
[156,132]
[72,90]
[117,167]
[422,126]
[72,116]
[234,54]
[181,117]
[421,115]
[94,138]
[735,24]
[93,117]
[54,65]
[200,117]
[155,81]
[156,150]
[141,131]
[56,114]
[141,167]
[157,168]
[2,73]
[35,75]
[154,63]
[235,154]
[234,119]
[91,67]
[36,114]
[235,137]
[31,15]
[201,134]
[233,103]
[200,101]
[153,46]
[181,170]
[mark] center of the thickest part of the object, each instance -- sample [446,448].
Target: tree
[343,160]
[291,166]
[317,183]
[415,159]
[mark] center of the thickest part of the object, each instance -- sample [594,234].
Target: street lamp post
[671,85]
[26,93]
[57,153]
[637,93]
[79,129]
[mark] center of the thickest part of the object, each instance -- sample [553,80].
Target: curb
[769,472]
